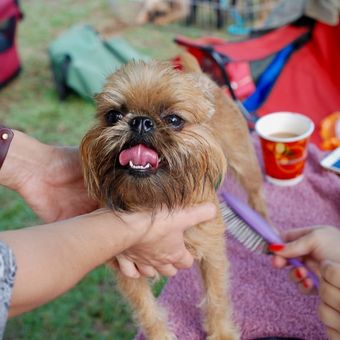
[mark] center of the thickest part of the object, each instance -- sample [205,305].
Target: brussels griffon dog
[166,138]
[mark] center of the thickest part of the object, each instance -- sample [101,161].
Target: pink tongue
[139,155]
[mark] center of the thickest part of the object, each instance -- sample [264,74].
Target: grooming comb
[252,230]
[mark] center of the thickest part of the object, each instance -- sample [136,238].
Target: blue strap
[267,79]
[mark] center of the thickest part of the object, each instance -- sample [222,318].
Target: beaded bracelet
[6,136]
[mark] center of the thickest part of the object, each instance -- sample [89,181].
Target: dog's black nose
[142,124]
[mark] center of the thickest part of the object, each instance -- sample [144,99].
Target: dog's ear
[192,69]
[189,63]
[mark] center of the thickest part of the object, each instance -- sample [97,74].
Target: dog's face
[153,143]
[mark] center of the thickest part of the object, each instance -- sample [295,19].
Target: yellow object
[330,131]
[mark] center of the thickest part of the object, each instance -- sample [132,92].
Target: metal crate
[237,16]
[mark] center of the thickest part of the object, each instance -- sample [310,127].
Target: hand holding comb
[252,230]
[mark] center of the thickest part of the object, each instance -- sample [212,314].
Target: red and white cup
[284,140]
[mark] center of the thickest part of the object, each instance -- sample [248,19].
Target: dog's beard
[181,173]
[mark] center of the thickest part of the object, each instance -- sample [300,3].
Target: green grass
[93,309]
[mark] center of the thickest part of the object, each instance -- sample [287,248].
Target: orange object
[330,131]
[284,160]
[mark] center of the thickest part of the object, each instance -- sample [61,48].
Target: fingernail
[298,273]
[306,284]
[275,247]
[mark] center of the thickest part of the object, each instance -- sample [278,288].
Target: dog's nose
[142,124]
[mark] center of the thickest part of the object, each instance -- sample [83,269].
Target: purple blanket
[266,302]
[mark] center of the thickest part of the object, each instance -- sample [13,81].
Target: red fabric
[8,8]
[248,50]
[310,81]
[241,79]
[9,64]
[260,48]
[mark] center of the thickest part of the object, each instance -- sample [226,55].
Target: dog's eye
[113,116]
[174,121]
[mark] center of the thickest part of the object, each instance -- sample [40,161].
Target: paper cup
[284,140]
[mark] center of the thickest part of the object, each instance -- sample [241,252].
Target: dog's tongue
[139,155]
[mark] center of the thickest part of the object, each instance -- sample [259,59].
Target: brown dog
[165,138]
[163,12]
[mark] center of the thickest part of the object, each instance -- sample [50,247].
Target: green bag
[81,60]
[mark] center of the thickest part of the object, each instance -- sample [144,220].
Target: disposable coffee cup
[284,140]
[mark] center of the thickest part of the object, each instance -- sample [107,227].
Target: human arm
[49,178]
[319,249]
[52,258]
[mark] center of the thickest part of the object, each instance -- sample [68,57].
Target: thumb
[303,246]
[196,214]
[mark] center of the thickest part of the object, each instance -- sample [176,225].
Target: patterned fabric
[7,275]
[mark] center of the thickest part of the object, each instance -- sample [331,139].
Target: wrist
[25,155]
[103,233]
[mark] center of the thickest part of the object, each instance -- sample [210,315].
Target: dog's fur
[193,161]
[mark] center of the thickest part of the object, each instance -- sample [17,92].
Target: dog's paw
[230,334]
[163,336]
[171,336]
[160,21]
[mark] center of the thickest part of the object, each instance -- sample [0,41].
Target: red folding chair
[307,79]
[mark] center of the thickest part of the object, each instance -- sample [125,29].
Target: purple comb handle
[261,227]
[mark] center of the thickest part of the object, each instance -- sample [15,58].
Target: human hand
[162,249]
[56,191]
[313,245]
[49,178]
[318,247]
[329,308]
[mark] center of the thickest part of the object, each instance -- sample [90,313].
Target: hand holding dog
[319,248]
[49,178]
[52,258]
[162,249]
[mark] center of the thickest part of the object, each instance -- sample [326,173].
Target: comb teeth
[241,231]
